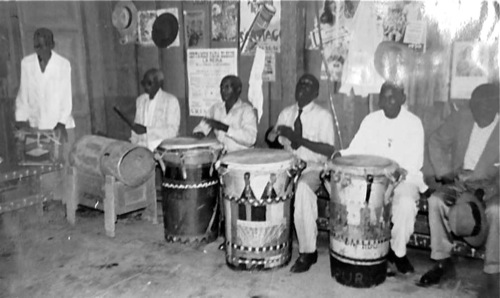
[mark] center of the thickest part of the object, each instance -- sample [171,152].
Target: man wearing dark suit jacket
[464,153]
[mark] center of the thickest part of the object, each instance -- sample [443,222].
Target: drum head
[188,143]
[258,159]
[364,164]
[190,151]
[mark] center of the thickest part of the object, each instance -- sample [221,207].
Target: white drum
[258,187]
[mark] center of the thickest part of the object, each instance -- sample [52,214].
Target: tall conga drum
[360,218]
[257,188]
[190,189]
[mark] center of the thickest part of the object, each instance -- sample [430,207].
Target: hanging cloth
[359,71]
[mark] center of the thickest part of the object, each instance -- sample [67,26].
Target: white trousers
[404,211]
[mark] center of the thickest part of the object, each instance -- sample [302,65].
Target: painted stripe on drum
[259,249]
[357,261]
[248,208]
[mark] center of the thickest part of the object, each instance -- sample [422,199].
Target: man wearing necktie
[307,130]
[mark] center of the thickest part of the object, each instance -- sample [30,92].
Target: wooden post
[71,194]
[149,192]
[292,48]
[109,206]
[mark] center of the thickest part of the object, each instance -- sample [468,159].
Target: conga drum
[190,189]
[257,187]
[360,218]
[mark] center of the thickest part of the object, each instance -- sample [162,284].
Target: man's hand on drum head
[198,135]
[217,125]
[139,129]
[21,125]
[272,135]
[61,133]
[400,174]
[291,135]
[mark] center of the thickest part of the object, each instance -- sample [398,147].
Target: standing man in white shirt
[233,121]
[464,153]
[395,133]
[44,100]
[157,115]
[306,130]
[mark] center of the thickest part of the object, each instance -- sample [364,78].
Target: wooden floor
[46,257]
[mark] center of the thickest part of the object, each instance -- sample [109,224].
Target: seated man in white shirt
[464,153]
[395,133]
[157,115]
[306,129]
[233,121]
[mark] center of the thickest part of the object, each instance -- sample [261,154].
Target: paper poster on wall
[403,22]
[269,73]
[206,68]
[194,29]
[470,67]
[336,26]
[224,21]
[145,24]
[260,26]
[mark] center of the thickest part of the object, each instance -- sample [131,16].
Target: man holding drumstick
[306,129]
[157,115]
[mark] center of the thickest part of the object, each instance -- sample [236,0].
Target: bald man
[158,114]
[464,154]
[394,132]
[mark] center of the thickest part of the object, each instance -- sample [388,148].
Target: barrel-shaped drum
[129,163]
[257,189]
[190,189]
[360,218]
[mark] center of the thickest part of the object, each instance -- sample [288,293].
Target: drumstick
[130,124]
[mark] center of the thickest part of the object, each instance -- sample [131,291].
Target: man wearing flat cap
[465,157]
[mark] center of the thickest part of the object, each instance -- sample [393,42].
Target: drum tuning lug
[369,181]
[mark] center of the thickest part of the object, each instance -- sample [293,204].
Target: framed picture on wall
[470,68]
[194,29]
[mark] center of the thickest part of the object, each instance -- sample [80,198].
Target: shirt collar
[157,95]
[236,105]
[490,126]
[307,107]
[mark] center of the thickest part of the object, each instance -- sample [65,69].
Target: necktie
[297,126]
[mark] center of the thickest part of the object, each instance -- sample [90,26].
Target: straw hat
[394,61]
[467,219]
[124,17]
[165,29]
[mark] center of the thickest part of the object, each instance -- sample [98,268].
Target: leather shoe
[304,262]
[443,269]
[402,264]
